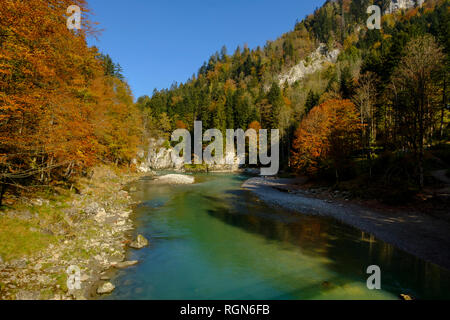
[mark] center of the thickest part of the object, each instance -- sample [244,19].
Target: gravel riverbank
[419,234]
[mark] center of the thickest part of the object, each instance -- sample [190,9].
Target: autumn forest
[375,116]
[88,179]
[63,106]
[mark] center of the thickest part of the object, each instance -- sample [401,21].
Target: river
[213,240]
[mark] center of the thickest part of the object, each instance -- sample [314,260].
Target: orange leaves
[255,125]
[328,133]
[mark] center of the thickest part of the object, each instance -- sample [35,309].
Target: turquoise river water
[213,240]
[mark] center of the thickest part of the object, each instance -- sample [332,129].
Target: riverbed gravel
[419,234]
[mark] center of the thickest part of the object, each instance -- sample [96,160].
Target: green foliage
[111,68]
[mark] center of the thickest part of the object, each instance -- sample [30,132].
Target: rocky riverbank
[418,233]
[89,231]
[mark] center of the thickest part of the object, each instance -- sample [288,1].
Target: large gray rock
[140,242]
[106,288]
[315,62]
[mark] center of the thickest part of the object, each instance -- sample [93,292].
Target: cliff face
[318,58]
[313,63]
[160,158]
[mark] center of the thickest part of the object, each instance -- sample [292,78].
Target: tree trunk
[444,105]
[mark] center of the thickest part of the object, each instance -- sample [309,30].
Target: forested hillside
[64,107]
[385,97]
[380,110]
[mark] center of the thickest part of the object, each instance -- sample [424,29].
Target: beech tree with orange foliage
[60,112]
[326,138]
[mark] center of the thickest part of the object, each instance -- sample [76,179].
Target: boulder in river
[175,179]
[140,242]
[106,288]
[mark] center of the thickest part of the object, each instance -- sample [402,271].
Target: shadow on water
[348,250]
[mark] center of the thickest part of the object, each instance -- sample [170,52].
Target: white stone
[175,179]
[143,168]
[120,222]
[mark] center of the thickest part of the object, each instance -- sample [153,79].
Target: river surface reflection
[213,240]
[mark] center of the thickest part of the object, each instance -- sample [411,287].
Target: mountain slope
[328,55]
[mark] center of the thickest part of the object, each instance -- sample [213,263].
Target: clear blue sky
[159,42]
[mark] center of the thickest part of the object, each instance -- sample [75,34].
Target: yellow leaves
[389,19]
[212,75]
[5,69]
[350,40]
[225,67]
[212,106]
